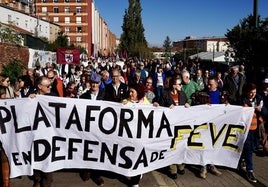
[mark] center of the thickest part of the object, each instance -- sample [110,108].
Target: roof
[14,27]
[211,56]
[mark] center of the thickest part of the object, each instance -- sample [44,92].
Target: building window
[78,10]
[55,1]
[69,40]
[78,39]
[56,10]
[44,9]
[67,1]
[9,18]
[67,9]
[78,20]
[56,19]
[67,29]
[79,29]
[78,1]
[44,1]
[17,21]
[67,19]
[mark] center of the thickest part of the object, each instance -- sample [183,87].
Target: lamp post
[255,13]
[213,54]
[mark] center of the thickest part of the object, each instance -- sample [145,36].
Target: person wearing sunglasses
[43,86]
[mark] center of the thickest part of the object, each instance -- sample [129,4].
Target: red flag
[68,56]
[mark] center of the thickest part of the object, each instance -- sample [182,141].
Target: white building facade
[38,27]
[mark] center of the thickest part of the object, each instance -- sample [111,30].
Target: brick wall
[10,51]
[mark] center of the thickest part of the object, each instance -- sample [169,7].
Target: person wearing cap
[94,93]
[233,84]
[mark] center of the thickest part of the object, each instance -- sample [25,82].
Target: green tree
[132,40]
[248,42]
[9,35]
[13,70]
[61,41]
[167,48]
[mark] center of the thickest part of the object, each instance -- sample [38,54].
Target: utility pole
[255,13]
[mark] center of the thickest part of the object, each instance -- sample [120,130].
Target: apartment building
[78,19]
[208,44]
[81,22]
[73,16]
[16,15]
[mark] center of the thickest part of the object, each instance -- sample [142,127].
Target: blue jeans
[249,147]
[159,90]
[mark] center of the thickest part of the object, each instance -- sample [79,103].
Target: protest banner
[50,133]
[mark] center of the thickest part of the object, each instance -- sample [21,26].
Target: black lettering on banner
[47,149]
[55,139]
[16,159]
[164,124]
[114,122]
[123,155]
[147,122]
[124,122]
[37,119]
[27,157]
[178,134]
[74,119]
[87,150]
[161,155]
[89,118]
[111,156]
[231,136]
[72,149]
[3,119]
[141,160]
[157,156]
[57,107]
[195,133]
[154,156]
[214,138]
[17,130]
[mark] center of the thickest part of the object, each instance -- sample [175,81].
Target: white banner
[51,133]
[41,56]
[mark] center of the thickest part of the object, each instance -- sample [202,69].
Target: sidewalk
[230,177]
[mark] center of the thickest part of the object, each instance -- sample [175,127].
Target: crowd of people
[156,82]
